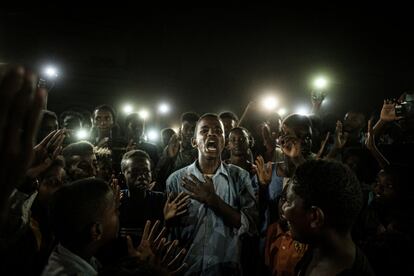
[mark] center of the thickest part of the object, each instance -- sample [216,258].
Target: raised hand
[388,112]
[46,152]
[176,207]
[20,109]
[201,191]
[264,171]
[155,249]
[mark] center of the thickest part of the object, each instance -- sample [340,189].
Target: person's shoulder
[179,173]
[235,171]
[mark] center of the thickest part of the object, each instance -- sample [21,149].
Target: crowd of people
[322,194]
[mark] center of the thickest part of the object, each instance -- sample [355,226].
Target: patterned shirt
[213,246]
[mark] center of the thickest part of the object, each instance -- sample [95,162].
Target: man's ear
[317,217]
[96,231]
[194,142]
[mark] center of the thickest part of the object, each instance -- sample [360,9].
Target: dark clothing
[390,253]
[167,165]
[361,266]
[152,151]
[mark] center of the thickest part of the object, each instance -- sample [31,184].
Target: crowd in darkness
[320,194]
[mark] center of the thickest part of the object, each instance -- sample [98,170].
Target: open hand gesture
[176,207]
[201,191]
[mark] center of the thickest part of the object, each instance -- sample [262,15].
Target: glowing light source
[153,135]
[144,114]
[82,134]
[50,72]
[282,112]
[163,108]
[128,109]
[320,83]
[302,110]
[269,103]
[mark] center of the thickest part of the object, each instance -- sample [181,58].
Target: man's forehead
[210,121]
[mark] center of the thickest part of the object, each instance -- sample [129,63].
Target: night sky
[214,59]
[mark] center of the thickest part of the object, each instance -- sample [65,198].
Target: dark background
[210,59]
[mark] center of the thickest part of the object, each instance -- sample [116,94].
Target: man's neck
[208,166]
[336,248]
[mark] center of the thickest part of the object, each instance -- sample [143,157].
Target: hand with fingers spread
[264,171]
[176,207]
[203,192]
[388,112]
[20,110]
[291,147]
[46,152]
[155,249]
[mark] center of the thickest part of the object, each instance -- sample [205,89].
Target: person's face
[103,120]
[72,123]
[384,189]
[138,174]
[135,128]
[297,216]
[210,138]
[110,219]
[187,133]
[274,126]
[82,166]
[238,142]
[228,125]
[51,182]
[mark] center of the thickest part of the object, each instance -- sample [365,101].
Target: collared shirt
[64,262]
[213,246]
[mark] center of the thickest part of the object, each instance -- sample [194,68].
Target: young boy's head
[85,213]
[324,196]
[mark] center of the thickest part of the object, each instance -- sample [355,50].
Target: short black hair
[75,208]
[72,113]
[78,148]
[133,117]
[106,108]
[133,154]
[301,125]
[46,114]
[229,115]
[190,117]
[332,187]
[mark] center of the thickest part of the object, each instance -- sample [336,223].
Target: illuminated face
[103,120]
[187,133]
[138,174]
[384,189]
[238,142]
[210,138]
[82,166]
[297,216]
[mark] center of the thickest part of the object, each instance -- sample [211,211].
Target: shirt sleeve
[248,211]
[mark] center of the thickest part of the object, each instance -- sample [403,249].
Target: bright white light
[176,128]
[128,109]
[270,103]
[82,134]
[320,83]
[153,135]
[143,114]
[164,108]
[51,72]
[282,112]
[302,110]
